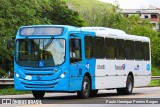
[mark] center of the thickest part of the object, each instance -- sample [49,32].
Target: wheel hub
[130,86]
[85,86]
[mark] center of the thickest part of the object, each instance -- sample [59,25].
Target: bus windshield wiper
[48,44]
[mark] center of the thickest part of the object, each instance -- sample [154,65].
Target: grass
[154,83]
[9,90]
[155,72]
[81,4]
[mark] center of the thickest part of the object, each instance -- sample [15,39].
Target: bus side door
[76,64]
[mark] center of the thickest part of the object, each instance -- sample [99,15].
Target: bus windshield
[40,52]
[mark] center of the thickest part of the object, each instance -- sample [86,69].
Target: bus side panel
[142,74]
[75,76]
[141,80]
[107,75]
[90,68]
[78,71]
[113,73]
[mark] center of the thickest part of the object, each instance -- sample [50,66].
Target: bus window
[129,49]
[99,47]
[110,48]
[88,47]
[75,50]
[146,51]
[119,49]
[138,50]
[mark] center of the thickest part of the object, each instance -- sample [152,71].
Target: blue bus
[62,58]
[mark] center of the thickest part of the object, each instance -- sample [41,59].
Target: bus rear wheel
[38,94]
[129,87]
[86,88]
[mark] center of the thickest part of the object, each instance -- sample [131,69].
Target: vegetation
[155,72]
[11,91]
[92,11]
[154,83]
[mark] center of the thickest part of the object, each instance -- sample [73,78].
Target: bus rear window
[41,31]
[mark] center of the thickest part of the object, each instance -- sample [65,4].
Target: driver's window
[75,50]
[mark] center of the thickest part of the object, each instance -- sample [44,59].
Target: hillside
[80,5]
[90,10]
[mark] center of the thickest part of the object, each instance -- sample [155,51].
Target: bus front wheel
[38,94]
[129,87]
[86,88]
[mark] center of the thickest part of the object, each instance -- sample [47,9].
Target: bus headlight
[62,75]
[17,75]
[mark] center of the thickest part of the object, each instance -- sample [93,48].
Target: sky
[135,4]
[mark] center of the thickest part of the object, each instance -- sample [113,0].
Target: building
[151,14]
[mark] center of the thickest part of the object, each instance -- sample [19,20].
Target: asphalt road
[70,99]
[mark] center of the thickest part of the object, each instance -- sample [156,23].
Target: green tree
[59,13]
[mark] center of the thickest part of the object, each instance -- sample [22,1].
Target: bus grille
[36,84]
[43,72]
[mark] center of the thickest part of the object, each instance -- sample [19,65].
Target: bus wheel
[86,88]
[38,94]
[129,87]
[93,93]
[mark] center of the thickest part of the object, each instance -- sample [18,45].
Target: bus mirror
[8,44]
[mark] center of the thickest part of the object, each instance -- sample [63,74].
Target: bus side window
[138,50]
[110,48]
[129,49]
[99,52]
[75,50]
[120,49]
[146,52]
[88,47]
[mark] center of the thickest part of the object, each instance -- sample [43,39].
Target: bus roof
[115,33]
[138,38]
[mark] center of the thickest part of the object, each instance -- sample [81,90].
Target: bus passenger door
[75,64]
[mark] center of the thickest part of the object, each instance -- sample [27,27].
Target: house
[151,14]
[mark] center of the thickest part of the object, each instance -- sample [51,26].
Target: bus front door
[75,64]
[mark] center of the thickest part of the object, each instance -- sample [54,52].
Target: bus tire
[129,87]
[93,93]
[86,88]
[38,94]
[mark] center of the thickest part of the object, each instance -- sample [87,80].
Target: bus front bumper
[60,84]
